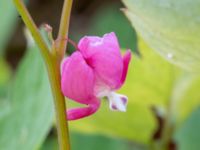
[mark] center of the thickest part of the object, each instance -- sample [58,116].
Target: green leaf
[31,115]
[51,143]
[8,17]
[4,87]
[5,76]
[92,142]
[186,96]
[81,142]
[169,27]
[188,135]
[5,72]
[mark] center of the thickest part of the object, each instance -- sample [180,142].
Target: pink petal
[77,79]
[88,45]
[108,68]
[103,55]
[126,61]
[85,42]
[78,113]
[111,40]
[64,63]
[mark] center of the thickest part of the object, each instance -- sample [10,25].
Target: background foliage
[169,27]
[157,89]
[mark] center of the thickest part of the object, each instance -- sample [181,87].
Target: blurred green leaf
[186,96]
[31,115]
[5,72]
[4,86]
[51,143]
[188,135]
[109,18]
[169,27]
[88,142]
[8,17]
[91,142]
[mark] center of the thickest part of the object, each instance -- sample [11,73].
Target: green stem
[53,68]
[60,107]
[64,28]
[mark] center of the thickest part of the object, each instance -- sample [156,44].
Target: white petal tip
[118,102]
[115,108]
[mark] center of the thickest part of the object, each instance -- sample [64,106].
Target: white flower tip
[118,102]
[115,108]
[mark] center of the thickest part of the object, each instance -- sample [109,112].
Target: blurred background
[89,17]
[163,99]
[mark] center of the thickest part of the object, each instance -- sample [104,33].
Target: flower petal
[87,42]
[103,55]
[126,61]
[107,67]
[110,39]
[64,63]
[117,101]
[78,113]
[77,81]
[88,45]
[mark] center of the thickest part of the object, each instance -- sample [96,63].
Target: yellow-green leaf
[171,28]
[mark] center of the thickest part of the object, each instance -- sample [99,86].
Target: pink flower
[95,71]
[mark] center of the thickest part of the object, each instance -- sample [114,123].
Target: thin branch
[64,28]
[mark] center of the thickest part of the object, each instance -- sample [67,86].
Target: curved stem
[59,103]
[63,29]
[53,68]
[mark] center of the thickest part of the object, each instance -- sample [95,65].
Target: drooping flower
[96,70]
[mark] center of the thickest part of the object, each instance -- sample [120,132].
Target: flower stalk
[63,29]
[52,61]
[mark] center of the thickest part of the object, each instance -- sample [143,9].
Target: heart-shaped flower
[96,70]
